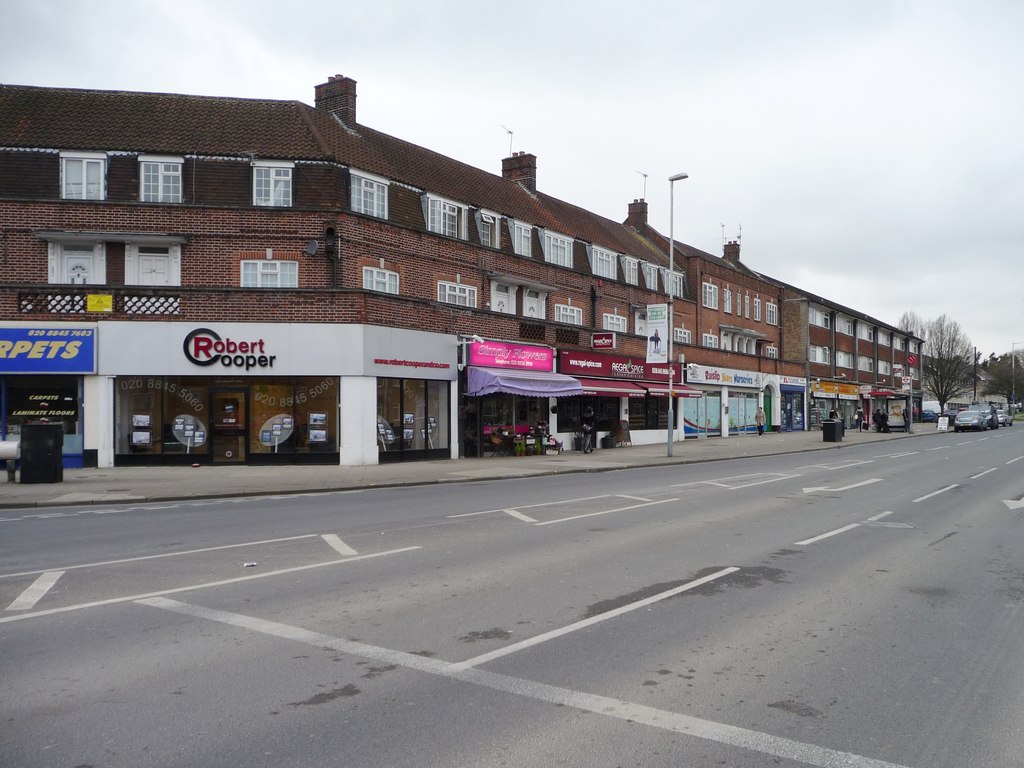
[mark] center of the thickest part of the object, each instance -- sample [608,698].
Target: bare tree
[912,323]
[949,360]
[1002,373]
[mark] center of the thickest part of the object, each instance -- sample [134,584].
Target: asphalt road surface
[858,609]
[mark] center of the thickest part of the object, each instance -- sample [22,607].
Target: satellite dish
[311,248]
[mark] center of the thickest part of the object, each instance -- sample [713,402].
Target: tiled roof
[159,123]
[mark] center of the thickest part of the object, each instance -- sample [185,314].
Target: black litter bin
[41,459]
[831,431]
[608,441]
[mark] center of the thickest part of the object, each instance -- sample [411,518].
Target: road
[858,609]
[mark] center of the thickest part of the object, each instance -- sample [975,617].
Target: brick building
[198,279]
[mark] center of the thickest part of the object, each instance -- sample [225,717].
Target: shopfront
[793,391]
[840,397]
[731,399]
[621,390]
[511,392]
[251,393]
[42,372]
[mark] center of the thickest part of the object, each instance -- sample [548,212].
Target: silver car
[972,418]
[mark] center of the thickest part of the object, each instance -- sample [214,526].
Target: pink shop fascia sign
[521,357]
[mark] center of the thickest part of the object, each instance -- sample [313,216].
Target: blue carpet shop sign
[42,372]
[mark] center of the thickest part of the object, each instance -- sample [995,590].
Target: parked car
[990,413]
[1005,418]
[929,416]
[973,419]
[951,413]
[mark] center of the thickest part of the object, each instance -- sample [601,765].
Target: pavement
[148,484]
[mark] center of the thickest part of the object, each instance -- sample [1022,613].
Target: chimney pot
[521,168]
[338,96]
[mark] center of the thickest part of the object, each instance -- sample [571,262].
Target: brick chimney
[338,96]
[521,168]
[732,252]
[637,218]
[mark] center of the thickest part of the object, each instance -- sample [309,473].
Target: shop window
[412,418]
[51,399]
[294,415]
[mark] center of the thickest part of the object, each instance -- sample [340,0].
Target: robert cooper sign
[205,347]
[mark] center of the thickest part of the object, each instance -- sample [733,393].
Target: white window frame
[865,363]
[167,176]
[558,249]
[456,293]
[771,351]
[275,191]
[675,283]
[746,306]
[757,310]
[59,255]
[884,367]
[683,336]
[650,275]
[614,322]
[727,300]
[630,270]
[522,238]
[447,217]
[368,194]
[709,340]
[818,317]
[771,313]
[488,227]
[844,325]
[844,359]
[818,354]
[503,297]
[709,294]
[866,332]
[603,263]
[260,273]
[901,342]
[640,322]
[381,280]
[135,253]
[566,313]
[885,338]
[87,163]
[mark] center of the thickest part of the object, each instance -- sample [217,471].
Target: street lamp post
[671,297]
[1013,373]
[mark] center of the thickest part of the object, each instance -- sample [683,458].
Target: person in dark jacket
[588,423]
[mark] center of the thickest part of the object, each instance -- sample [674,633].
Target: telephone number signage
[47,350]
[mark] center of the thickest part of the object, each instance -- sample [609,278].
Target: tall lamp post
[1013,373]
[671,298]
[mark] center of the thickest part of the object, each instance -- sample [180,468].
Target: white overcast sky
[870,150]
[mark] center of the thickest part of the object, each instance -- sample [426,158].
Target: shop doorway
[229,432]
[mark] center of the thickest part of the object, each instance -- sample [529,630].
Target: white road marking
[846,487]
[34,593]
[1013,460]
[879,516]
[531,506]
[900,455]
[206,585]
[832,466]
[936,493]
[836,532]
[538,639]
[164,554]
[739,481]
[1011,504]
[605,512]
[966,442]
[708,730]
[519,515]
[939,448]
[335,542]
[982,474]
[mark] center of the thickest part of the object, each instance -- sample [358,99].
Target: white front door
[154,270]
[78,269]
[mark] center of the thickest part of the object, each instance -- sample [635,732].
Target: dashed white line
[936,493]
[519,515]
[605,512]
[938,448]
[982,474]
[34,593]
[836,532]
[1013,460]
[708,730]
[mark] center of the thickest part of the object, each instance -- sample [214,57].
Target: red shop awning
[608,388]
[678,390]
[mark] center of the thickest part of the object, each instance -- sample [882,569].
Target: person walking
[759,419]
[588,429]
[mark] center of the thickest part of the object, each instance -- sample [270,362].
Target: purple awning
[485,381]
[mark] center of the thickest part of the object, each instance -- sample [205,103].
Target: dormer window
[631,270]
[369,194]
[602,263]
[272,184]
[487,226]
[650,275]
[83,175]
[160,179]
[522,238]
[557,249]
[445,217]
